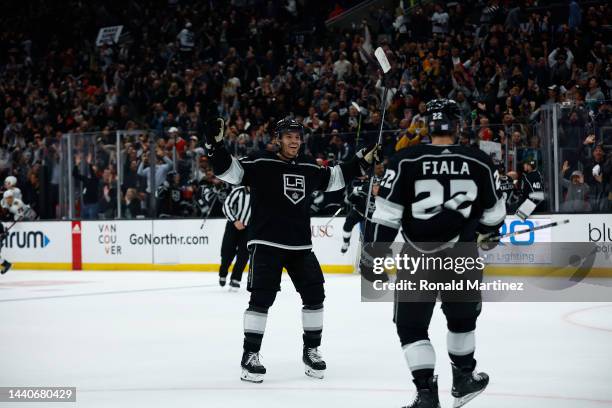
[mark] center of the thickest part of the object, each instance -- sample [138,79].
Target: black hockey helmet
[170,176]
[288,125]
[532,162]
[443,116]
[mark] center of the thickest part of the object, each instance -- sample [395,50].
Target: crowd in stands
[177,64]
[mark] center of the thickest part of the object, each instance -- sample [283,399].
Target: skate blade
[461,401]
[311,372]
[251,377]
[233,289]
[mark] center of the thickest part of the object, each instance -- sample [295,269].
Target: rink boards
[190,245]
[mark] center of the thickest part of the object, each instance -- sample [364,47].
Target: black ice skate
[315,366]
[427,397]
[344,248]
[234,285]
[6,265]
[222,281]
[467,385]
[252,369]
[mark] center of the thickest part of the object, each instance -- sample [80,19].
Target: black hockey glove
[214,134]
[368,156]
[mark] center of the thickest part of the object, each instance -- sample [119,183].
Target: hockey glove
[214,134]
[368,156]
[525,210]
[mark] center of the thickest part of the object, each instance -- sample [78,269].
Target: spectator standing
[576,195]
[439,21]
[90,187]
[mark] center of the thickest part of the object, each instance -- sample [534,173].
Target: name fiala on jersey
[445,167]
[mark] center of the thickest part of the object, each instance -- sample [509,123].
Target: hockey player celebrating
[279,232]
[15,208]
[169,196]
[439,193]
[531,186]
[237,210]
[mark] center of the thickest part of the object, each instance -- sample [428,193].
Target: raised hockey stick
[528,230]
[381,57]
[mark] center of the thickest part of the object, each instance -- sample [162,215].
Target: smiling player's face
[290,144]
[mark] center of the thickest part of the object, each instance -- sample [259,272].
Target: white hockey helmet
[7,194]
[10,181]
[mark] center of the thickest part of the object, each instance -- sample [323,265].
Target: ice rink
[164,339]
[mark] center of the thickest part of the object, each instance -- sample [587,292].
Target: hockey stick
[10,226]
[528,230]
[212,204]
[385,66]
[356,106]
[333,216]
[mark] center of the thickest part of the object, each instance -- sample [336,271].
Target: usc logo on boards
[322,231]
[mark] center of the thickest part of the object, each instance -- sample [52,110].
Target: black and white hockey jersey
[169,200]
[531,186]
[438,193]
[279,193]
[509,193]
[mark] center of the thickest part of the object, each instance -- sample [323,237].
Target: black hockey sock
[461,347]
[312,320]
[252,342]
[254,327]
[312,338]
[421,378]
[465,363]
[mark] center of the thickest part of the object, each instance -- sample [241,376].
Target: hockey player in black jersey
[280,234]
[357,199]
[169,196]
[440,193]
[531,186]
[507,188]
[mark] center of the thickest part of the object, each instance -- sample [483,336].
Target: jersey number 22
[462,193]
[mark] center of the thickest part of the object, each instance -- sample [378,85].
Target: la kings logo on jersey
[294,187]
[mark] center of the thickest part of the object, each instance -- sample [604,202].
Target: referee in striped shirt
[237,210]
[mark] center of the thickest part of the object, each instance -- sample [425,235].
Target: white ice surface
[163,339]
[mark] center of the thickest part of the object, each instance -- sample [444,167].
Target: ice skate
[252,369]
[222,281]
[314,364]
[467,385]
[234,285]
[344,248]
[427,397]
[6,265]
